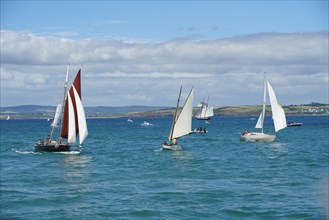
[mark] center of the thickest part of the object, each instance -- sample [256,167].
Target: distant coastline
[47,112]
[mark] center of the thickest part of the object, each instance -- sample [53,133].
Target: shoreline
[219,111]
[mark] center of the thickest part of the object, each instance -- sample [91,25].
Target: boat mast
[65,91]
[264,102]
[175,116]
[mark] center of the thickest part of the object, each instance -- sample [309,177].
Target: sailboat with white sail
[205,111]
[278,116]
[71,114]
[182,123]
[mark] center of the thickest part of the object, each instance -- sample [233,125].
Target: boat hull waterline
[258,137]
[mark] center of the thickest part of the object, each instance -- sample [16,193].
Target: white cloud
[35,79]
[5,75]
[128,72]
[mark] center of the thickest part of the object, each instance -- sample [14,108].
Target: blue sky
[163,20]
[129,51]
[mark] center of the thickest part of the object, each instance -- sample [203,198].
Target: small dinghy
[182,123]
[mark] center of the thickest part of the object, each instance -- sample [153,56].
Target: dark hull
[207,118]
[294,124]
[52,147]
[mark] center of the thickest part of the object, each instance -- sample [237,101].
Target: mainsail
[279,116]
[74,119]
[183,122]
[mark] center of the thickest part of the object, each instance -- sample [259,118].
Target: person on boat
[245,133]
[174,141]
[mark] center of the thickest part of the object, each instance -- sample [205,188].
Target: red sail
[77,86]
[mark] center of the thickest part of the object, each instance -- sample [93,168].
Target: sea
[121,172]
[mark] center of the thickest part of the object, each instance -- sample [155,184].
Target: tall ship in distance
[205,111]
[71,117]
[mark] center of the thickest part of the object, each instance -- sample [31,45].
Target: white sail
[205,111]
[183,124]
[83,130]
[57,115]
[260,121]
[210,111]
[279,116]
[71,125]
[202,112]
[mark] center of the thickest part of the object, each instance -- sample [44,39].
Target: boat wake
[26,152]
[68,152]
[33,152]
[158,150]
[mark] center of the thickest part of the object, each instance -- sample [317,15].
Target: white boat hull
[196,131]
[256,136]
[171,147]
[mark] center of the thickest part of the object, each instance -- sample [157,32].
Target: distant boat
[145,123]
[278,116]
[200,130]
[8,117]
[205,112]
[73,120]
[129,120]
[182,123]
[294,123]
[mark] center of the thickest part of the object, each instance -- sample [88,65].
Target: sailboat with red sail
[72,117]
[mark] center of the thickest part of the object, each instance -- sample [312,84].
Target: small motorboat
[200,130]
[145,123]
[291,123]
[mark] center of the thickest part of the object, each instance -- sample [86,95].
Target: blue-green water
[121,173]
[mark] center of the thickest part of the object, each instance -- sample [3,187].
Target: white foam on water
[25,152]
[158,150]
[69,152]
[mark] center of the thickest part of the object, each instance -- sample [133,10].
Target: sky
[141,52]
